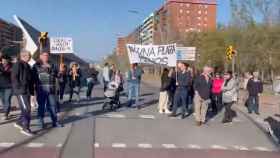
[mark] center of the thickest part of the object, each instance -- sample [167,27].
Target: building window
[181,11]
[198,24]
[188,12]
[199,12]
[206,12]
[205,6]
[199,18]
[188,5]
[205,25]
[181,5]
[205,18]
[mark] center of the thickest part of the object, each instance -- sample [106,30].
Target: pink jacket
[217,85]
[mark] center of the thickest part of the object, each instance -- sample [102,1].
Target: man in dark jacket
[22,84]
[202,88]
[255,88]
[6,84]
[91,80]
[181,94]
[45,75]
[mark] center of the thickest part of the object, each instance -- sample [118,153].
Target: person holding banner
[183,84]
[45,76]
[62,80]
[163,95]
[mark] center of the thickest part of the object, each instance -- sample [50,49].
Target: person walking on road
[172,87]
[106,75]
[75,76]
[91,80]
[229,96]
[62,81]
[255,88]
[45,76]
[247,77]
[163,95]
[217,84]
[23,88]
[202,88]
[133,81]
[6,84]
[183,84]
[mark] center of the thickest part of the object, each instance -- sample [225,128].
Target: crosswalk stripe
[218,147]
[115,115]
[194,146]
[169,146]
[35,145]
[118,145]
[261,149]
[96,145]
[147,116]
[240,148]
[6,144]
[144,145]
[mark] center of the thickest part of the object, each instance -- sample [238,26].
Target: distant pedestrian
[255,88]
[92,80]
[6,84]
[229,93]
[23,88]
[216,92]
[75,76]
[45,75]
[163,95]
[106,75]
[202,98]
[172,87]
[133,81]
[183,84]
[62,81]
[247,77]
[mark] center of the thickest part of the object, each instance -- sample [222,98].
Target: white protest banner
[152,54]
[186,53]
[61,45]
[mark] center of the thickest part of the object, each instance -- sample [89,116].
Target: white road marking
[147,116]
[115,115]
[194,146]
[96,145]
[35,145]
[144,145]
[169,146]
[218,147]
[118,145]
[262,148]
[59,145]
[78,114]
[240,148]
[237,120]
[6,144]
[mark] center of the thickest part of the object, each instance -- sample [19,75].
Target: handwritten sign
[152,54]
[61,45]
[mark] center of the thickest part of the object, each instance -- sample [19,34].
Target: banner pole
[61,58]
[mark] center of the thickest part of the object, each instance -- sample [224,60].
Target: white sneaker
[18,126]
[26,132]
[161,112]
[167,112]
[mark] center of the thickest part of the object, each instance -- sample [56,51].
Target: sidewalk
[269,118]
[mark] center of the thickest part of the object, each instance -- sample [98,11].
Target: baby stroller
[112,95]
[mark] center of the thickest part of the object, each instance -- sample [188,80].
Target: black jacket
[94,75]
[184,80]
[5,76]
[77,82]
[22,80]
[165,83]
[45,77]
[202,87]
[254,87]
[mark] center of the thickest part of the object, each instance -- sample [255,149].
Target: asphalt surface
[91,132]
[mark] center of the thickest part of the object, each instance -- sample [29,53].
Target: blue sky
[93,24]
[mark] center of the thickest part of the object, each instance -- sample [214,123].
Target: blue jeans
[133,91]
[181,96]
[47,101]
[6,96]
[253,102]
[25,107]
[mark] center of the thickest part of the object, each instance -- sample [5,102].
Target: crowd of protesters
[208,91]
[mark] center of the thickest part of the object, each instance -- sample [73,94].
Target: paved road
[91,132]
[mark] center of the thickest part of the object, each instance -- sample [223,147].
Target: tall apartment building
[172,22]
[178,17]
[8,34]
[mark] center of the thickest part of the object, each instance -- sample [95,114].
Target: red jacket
[217,85]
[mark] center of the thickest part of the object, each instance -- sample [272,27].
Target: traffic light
[230,52]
